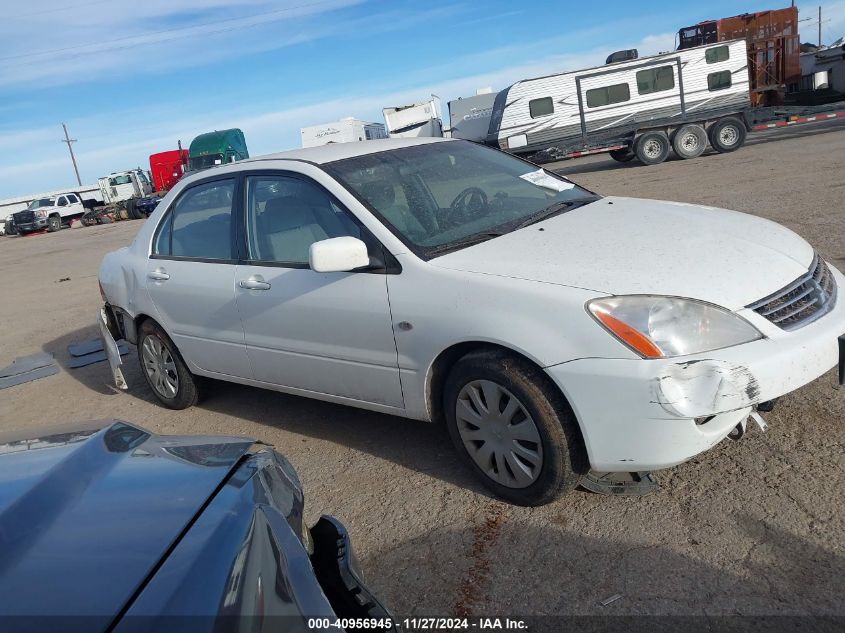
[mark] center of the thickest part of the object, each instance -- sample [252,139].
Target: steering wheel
[471,202]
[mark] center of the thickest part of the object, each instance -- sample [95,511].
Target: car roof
[338,151]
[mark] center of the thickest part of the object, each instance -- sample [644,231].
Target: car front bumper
[35,225]
[638,414]
[107,327]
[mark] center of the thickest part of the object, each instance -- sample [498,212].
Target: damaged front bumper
[105,322]
[643,415]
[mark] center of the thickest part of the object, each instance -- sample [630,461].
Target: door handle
[256,282]
[158,274]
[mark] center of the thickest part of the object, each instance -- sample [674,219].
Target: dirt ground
[753,527]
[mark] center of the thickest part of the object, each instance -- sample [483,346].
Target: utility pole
[67,139]
[820,26]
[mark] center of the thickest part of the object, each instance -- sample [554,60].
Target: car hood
[87,513]
[632,246]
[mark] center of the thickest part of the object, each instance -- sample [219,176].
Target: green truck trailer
[216,148]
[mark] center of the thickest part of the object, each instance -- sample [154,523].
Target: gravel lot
[753,527]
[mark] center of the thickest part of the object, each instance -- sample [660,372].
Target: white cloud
[53,46]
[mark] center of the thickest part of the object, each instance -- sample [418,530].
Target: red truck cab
[167,168]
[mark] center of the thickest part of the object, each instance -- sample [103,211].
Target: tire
[176,387]
[622,155]
[550,457]
[727,135]
[54,223]
[652,148]
[689,141]
[132,211]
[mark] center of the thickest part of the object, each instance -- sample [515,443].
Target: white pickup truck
[50,213]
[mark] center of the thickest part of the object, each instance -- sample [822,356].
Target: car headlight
[661,327]
[40,213]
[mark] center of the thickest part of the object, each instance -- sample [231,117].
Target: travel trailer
[641,107]
[344,131]
[469,118]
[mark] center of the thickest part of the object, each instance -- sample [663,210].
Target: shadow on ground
[558,572]
[418,446]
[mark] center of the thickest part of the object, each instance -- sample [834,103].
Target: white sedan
[553,330]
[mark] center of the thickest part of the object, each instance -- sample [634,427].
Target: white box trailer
[346,130]
[640,107]
[414,120]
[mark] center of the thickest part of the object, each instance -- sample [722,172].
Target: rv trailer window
[718,54]
[541,107]
[719,81]
[655,80]
[608,95]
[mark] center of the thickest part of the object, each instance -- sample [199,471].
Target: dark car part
[337,570]
[133,531]
[842,360]
[620,484]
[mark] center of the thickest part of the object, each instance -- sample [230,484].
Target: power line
[171,30]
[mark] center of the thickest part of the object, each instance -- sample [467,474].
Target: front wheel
[513,428]
[54,223]
[163,368]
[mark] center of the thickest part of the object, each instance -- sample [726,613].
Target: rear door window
[199,225]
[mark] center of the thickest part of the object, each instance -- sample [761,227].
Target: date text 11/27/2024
[421,624]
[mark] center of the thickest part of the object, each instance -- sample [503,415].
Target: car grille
[806,299]
[24,217]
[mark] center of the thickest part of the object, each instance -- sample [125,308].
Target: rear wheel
[54,223]
[163,368]
[727,135]
[652,148]
[622,155]
[513,428]
[689,141]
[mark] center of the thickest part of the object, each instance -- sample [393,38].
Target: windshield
[120,180]
[206,161]
[43,202]
[441,196]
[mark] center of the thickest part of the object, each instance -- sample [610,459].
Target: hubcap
[499,434]
[729,135]
[160,368]
[653,148]
[690,142]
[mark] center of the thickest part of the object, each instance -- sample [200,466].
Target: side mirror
[338,255]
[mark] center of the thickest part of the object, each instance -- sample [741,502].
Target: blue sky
[131,78]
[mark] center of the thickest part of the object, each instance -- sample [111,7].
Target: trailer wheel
[622,155]
[689,141]
[54,223]
[727,135]
[652,148]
